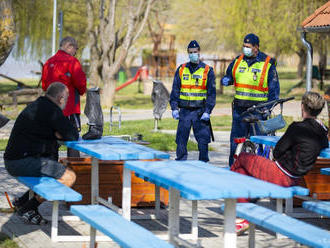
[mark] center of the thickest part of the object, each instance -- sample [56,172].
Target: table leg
[92,237]
[95,180]
[229,227]
[126,199]
[174,215]
[194,224]
[157,201]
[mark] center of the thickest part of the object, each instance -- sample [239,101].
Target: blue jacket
[211,91]
[273,83]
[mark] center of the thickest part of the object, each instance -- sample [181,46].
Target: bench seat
[122,231]
[297,230]
[50,189]
[320,207]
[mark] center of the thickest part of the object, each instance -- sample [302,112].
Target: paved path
[210,218]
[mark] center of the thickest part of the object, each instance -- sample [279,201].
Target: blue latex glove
[225,81]
[175,114]
[205,117]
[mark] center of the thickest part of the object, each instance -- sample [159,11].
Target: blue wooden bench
[320,207]
[297,230]
[52,190]
[120,230]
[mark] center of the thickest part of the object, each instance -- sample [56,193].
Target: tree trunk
[108,93]
[323,51]
[302,62]
[7,30]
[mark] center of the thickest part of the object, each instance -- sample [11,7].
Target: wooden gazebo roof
[319,21]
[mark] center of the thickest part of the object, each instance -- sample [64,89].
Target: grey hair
[68,40]
[55,89]
[313,103]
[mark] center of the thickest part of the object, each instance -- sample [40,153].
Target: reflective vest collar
[262,78]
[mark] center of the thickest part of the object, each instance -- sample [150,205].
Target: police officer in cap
[255,79]
[192,101]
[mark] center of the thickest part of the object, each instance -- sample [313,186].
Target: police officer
[255,79]
[192,100]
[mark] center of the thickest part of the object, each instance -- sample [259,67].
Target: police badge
[196,77]
[255,76]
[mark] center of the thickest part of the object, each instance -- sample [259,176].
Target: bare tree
[111,35]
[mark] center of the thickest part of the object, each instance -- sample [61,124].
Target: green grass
[6,242]
[159,141]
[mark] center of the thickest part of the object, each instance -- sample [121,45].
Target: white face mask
[247,51]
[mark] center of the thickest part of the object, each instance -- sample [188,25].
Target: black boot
[94,132]
[93,111]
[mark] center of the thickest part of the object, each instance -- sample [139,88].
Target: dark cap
[252,39]
[193,44]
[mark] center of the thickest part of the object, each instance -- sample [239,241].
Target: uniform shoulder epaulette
[273,61]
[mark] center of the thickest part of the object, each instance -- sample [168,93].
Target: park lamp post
[54,28]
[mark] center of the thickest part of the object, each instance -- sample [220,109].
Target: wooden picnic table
[196,180]
[111,148]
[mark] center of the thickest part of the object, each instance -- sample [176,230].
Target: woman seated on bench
[294,154]
[32,149]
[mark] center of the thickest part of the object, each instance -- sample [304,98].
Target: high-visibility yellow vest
[251,83]
[193,86]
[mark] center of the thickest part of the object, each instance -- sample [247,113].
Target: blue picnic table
[196,180]
[325,171]
[112,148]
[272,140]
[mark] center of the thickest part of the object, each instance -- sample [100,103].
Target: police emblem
[185,76]
[241,69]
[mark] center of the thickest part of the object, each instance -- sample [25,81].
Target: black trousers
[75,120]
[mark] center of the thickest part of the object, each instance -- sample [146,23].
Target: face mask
[193,57]
[247,51]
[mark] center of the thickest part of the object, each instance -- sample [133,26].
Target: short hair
[55,89]
[72,41]
[313,103]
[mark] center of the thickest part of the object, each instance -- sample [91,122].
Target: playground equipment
[141,74]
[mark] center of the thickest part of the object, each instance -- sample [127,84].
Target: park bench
[29,95]
[297,230]
[320,207]
[123,232]
[51,190]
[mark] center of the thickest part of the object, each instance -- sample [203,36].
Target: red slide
[142,71]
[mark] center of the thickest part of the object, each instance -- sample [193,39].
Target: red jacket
[64,68]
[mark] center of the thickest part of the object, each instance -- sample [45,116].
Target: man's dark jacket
[299,147]
[33,133]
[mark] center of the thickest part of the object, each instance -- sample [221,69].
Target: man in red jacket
[65,68]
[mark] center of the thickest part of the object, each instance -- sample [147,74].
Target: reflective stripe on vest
[251,94]
[251,82]
[193,86]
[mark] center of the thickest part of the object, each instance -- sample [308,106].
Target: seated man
[294,154]
[30,150]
